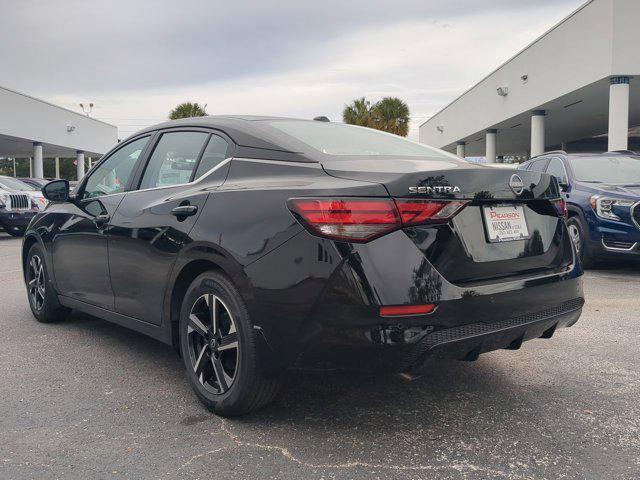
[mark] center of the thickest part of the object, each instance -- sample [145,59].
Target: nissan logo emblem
[516,185]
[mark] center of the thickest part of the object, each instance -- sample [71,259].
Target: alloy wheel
[213,343]
[36,282]
[574,234]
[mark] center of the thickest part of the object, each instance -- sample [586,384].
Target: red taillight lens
[561,208]
[416,212]
[406,310]
[347,219]
[363,219]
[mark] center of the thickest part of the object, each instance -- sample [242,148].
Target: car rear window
[340,139]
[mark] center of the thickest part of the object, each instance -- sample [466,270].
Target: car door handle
[184,211]
[101,220]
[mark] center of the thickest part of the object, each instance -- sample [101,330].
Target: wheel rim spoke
[201,362]
[220,374]
[195,325]
[213,313]
[228,342]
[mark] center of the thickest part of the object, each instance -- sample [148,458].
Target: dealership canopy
[30,127]
[578,81]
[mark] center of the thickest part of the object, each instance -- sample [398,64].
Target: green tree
[358,113]
[391,115]
[187,110]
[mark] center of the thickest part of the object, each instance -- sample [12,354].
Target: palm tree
[358,113]
[188,109]
[391,115]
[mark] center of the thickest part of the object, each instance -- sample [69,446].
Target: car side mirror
[563,186]
[56,191]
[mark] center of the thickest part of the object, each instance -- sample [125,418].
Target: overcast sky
[137,59]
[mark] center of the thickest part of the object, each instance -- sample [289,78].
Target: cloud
[135,60]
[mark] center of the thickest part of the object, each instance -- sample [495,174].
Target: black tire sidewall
[221,286]
[583,255]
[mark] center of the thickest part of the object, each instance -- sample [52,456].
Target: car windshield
[9,183]
[341,139]
[618,169]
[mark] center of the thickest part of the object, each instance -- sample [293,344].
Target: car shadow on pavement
[336,400]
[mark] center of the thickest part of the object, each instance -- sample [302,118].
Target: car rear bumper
[397,349]
[346,328]
[331,318]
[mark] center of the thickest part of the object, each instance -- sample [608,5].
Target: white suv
[19,202]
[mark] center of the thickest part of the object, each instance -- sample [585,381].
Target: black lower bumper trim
[467,342]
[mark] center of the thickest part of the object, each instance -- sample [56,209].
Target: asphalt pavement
[87,399]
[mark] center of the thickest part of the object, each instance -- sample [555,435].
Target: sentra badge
[436,189]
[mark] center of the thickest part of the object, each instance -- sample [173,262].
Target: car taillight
[416,212]
[561,208]
[363,219]
[406,310]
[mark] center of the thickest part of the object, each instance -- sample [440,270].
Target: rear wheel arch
[186,273]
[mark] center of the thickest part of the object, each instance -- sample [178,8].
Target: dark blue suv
[602,192]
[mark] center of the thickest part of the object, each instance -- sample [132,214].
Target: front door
[153,223]
[80,258]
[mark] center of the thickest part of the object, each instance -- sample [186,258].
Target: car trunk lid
[466,250]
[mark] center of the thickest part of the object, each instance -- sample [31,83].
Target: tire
[42,297]
[226,379]
[576,234]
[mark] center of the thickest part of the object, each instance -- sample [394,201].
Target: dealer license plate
[505,223]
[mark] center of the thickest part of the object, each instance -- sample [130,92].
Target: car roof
[249,131]
[625,153]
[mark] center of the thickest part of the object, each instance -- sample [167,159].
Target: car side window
[174,159]
[215,153]
[112,175]
[556,168]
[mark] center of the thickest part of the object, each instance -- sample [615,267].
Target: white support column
[619,113]
[491,149]
[57,167]
[31,166]
[80,164]
[460,147]
[38,170]
[537,132]
[90,163]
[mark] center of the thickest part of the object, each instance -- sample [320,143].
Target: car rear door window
[174,159]
[112,175]
[556,168]
[538,165]
[215,153]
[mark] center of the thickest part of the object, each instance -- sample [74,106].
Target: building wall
[577,52]
[28,118]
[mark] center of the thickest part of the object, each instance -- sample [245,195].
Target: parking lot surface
[88,399]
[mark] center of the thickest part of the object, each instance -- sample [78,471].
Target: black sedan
[255,244]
